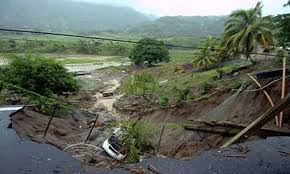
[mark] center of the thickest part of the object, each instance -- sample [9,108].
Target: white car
[112,147]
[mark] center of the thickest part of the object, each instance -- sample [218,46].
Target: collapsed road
[18,155]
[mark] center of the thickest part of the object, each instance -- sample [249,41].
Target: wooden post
[261,121]
[52,115]
[266,94]
[160,139]
[283,89]
[91,130]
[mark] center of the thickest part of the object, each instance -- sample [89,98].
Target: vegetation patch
[41,80]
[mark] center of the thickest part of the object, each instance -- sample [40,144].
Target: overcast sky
[196,7]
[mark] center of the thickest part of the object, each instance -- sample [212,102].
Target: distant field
[181,55]
[122,36]
[40,37]
[83,59]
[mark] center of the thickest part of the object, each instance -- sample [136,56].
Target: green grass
[190,79]
[92,59]
[181,56]
[41,37]
[187,79]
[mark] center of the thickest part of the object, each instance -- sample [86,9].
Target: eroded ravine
[108,97]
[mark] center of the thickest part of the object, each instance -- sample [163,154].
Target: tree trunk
[249,50]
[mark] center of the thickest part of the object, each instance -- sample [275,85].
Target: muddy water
[108,102]
[18,155]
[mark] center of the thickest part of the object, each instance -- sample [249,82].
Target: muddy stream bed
[70,133]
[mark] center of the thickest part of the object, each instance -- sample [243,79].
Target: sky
[196,7]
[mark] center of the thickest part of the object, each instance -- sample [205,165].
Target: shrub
[133,156]
[280,55]
[140,84]
[163,101]
[149,51]
[136,137]
[41,75]
[88,47]
[117,49]
[220,73]
[237,83]
[206,87]
[182,95]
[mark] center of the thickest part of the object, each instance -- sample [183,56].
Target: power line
[48,99]
[129,41]
[37,40]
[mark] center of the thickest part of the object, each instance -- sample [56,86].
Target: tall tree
[283,24]
[149,51]
[245,30]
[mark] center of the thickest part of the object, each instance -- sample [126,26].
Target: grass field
[181,56]
[84,59]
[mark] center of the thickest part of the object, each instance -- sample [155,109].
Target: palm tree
[206,56]
[245,30]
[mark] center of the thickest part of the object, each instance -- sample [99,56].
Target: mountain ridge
[61,15]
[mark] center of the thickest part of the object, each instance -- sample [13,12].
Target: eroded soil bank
[62,133]
[74,129]
[112,106]
[241,108]
[176,141]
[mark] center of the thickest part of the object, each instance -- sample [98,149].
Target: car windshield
[114,143]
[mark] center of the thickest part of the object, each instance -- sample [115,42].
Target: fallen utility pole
[93,126]
[52,115]
[160,139]
[261,121]
[266,94]
[231,129]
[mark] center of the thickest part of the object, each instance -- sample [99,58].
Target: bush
[149,51]
[280,55]
[133,156]
[41,75]
[220,73]
[163,101]
[206,87]
[236,84]
[140,84]
[136,137]
[182,95]
[88,47]
[117,49]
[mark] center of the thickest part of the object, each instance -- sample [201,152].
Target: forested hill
[68,16]
[181,26]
